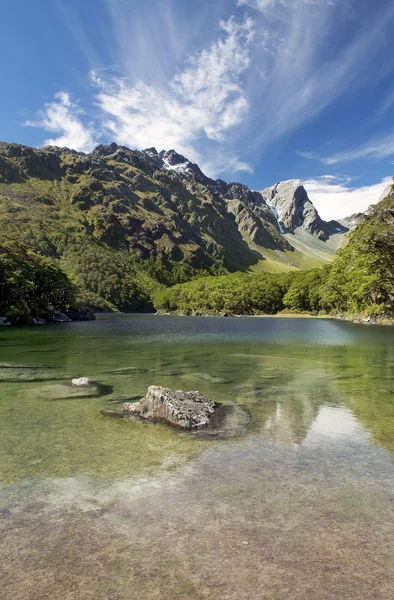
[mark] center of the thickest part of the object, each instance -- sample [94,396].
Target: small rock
[81,381]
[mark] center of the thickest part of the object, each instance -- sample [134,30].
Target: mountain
[293,209]
[352,221]
[120,220]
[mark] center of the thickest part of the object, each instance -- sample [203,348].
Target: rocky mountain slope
[153,215]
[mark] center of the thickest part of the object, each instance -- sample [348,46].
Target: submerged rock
[25,375]
[123,399]
[67,391]
[206,377]
[183,410]
[15,365]
[127,371]
[250,391]
[112,412]
[228,421]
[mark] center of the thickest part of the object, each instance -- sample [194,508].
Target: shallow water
[299,506]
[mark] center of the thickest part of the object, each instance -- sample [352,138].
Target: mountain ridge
[153,214]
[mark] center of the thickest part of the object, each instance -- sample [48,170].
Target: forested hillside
[360,280]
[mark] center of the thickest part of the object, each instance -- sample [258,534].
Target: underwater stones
[228,421]
[123,399]
[170,373]
[81,381]
[112,412]
[15,365]
[25,375]
[127,371]
[183,410]
[249,391]
[67,391]
[206,377]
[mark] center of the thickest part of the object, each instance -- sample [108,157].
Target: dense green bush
[30,285]
[244,293]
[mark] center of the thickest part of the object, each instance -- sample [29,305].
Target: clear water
[301,506]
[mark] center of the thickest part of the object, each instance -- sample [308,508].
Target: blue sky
[255,91]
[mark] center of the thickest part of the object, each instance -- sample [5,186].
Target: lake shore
[358,319]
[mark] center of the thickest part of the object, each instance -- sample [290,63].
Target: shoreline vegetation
[357,318]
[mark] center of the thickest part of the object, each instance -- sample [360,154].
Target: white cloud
[377,148]
[63,116]
[335,198]
[204,100]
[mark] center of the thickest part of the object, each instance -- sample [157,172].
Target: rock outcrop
[257,224]
[84,313]
[182,410]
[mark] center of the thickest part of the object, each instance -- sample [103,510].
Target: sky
[256,91]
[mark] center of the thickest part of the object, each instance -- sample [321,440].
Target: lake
[298,505]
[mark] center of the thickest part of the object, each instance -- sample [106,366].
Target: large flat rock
[183,410]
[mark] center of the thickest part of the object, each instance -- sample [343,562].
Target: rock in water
[81,381]
[84,313]
[183,410]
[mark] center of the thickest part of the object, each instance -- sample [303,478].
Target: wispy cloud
[204,99]
[299,77]
[377,148]
[336,198]
[386,104]
[63,116]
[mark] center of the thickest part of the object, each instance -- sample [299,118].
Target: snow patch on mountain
[178,167]
[276,214]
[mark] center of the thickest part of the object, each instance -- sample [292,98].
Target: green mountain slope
[122,222]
